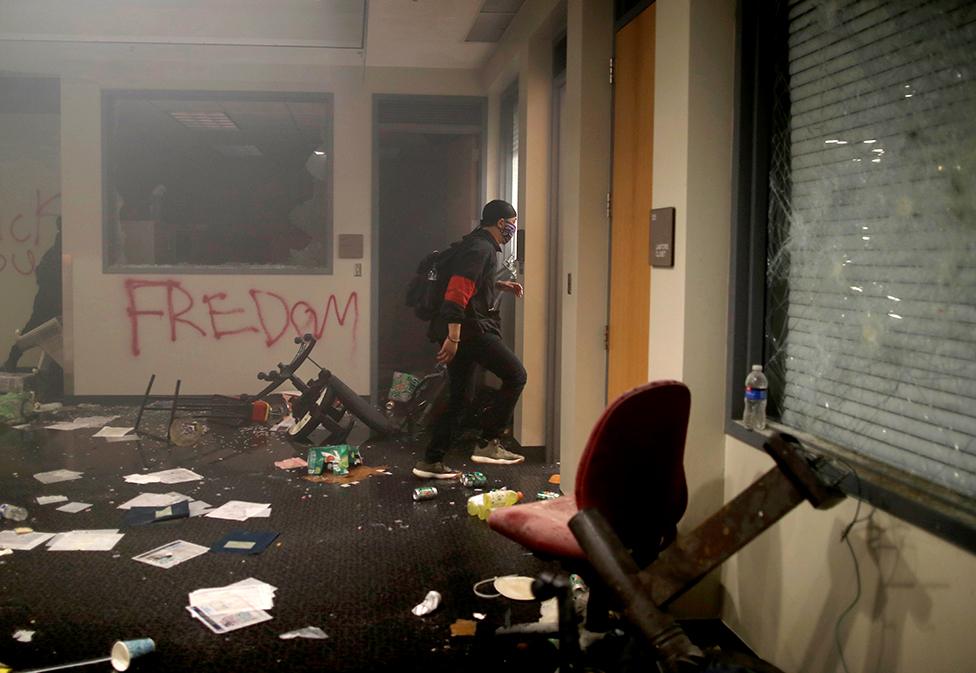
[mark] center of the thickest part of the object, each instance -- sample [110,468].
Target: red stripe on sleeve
[459,291]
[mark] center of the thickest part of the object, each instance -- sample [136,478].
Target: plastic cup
[124,651]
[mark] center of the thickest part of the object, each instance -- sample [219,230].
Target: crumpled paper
[429,604]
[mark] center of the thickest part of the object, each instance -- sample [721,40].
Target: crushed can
[473,479]
[547,495]
[424,493]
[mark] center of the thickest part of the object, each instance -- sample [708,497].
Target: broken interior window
[218,180]
[871,277]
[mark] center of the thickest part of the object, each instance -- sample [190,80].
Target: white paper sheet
[109,431]
[49,499]
[171,554]
[85,540]
[154,500]
[11,540]
[176,475]
[57,475]
[74,507]
[199,507]
[240,510]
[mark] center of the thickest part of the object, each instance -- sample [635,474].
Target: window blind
[878,188]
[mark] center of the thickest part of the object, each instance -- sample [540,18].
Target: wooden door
[633,135]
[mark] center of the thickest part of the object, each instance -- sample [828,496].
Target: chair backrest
[632,469]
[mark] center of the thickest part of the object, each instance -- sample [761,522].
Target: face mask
[508,230]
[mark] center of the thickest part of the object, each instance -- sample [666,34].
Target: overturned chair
[619,529]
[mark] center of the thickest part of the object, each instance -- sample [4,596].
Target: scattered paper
[244,542]
[223,609]
[171,554]
[79,423]
[74,507]
[4,551]
[109,431]
[240,510]
[22,426]
[312,632]
[50,499]
[23,635]
[85,540]
[176,475]
[291,463]
[154,500]
[141,516]
[199,507]
[11,540]
[127,438]
[57,475]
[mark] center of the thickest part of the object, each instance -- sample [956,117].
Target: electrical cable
[845,537]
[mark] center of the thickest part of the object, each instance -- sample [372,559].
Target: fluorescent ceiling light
[218,121]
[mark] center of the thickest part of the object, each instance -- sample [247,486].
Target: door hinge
[606,337]
[611,70]
[609,205]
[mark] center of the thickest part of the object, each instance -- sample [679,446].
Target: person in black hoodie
[47,301]
[468,329]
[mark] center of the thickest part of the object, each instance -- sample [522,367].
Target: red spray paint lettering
[273,315]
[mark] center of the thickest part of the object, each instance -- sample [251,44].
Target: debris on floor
[141,516]
[55,476]
[311,632]
[240,510]
[232,607]
[244,542]
[554,479]
[23,635]
[291,463]
[177,475]
[463,627]
[85,540]
[428,605]
[355,474]
[74,507]
[336,459]
[50,499]
[171,554]
[109,432]
[23,542]
[548,495]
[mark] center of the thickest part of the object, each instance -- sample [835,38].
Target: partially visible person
[47,301]
[468,329]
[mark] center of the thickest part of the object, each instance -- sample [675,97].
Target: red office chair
[632,471]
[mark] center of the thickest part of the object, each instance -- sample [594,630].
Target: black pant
[490,352]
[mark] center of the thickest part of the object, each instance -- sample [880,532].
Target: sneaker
[436,470]
[494,453]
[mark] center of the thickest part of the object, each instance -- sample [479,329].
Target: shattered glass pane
[871,283]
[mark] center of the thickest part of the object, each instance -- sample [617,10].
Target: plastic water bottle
[482,504]
[754,416]
[13,512]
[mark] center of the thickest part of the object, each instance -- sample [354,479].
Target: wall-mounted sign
[662,237]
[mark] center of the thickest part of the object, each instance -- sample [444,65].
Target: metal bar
[145,398]
[692,556]
[172,413]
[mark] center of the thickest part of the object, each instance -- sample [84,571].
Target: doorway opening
[428,191]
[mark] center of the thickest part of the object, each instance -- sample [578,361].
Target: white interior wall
[692,172]
[785,592]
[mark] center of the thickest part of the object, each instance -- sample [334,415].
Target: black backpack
[425,293]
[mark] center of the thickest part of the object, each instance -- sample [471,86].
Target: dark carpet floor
[352,561]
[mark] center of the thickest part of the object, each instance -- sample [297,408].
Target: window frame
[942,512]
[111,95]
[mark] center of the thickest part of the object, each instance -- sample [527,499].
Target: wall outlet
[357,269]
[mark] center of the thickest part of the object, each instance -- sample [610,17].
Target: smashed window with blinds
[871,264]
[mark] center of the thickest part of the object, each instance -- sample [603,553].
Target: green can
[424,493]
[547,495]
[473,479]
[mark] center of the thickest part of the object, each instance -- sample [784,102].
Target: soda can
[424,493]
[473,479]
[547,495]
